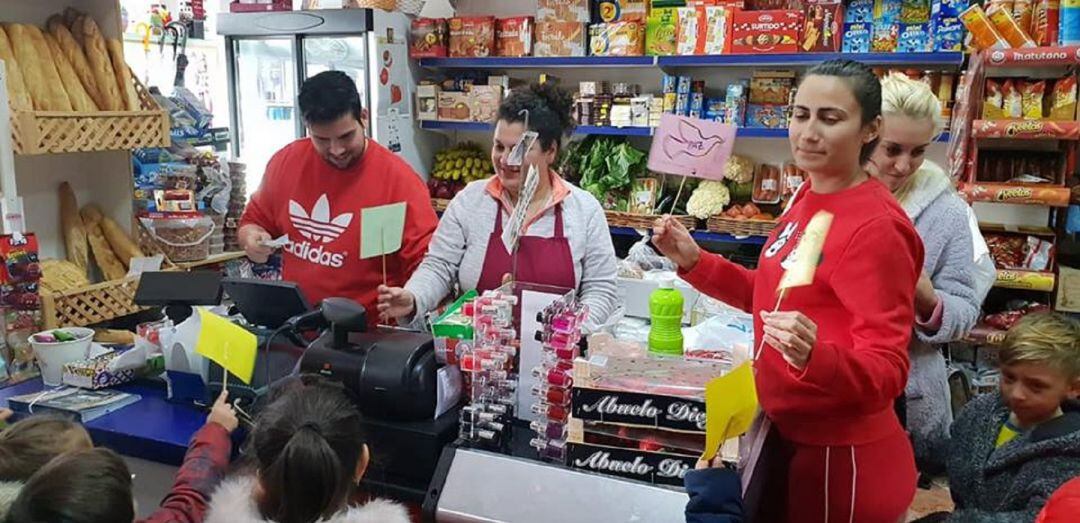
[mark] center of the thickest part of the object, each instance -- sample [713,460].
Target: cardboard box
[661,31]
[427,102]
[472,36]
[562,11]
[857,37]
[484,102]
[617,39]
[514,36]
[775,31]
[429,38]
[454,106]
[822,28]
[692,31]
[94,373]
[717,30]
[560,39]
[608,11]
[766,116]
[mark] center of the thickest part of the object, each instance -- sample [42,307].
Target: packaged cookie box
[454,106]
[429,38]
[560,39]
[563,11]
[822,29]
[617,39]
[608,11]
[775,31]
[514,36]
[472,36]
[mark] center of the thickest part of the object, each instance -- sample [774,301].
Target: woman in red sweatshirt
[835,355]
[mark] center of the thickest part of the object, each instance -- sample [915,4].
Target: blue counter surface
[152,428]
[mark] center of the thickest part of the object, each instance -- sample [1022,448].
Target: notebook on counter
[79,404]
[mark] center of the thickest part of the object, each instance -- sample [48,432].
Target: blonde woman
[953,284]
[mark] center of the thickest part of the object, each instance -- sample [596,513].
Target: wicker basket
[43,132]
[385,5]
[643,221]
[741,227]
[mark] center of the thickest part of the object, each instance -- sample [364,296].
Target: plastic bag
[727,337]
[647,259]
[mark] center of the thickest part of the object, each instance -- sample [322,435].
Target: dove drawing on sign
[690,142]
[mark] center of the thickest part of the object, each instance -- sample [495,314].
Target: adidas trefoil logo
[318,226]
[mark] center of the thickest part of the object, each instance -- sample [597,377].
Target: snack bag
[1045,22]
[1007,27]
[887,11]
[1013,100]
[983,33]
[993,102]
[914,11]
[1063,106]
[1023,12]
[1032,99]
[857,37]
[886,36]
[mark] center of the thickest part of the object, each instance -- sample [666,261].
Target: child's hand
[6,414]
[714,463]
[223,414]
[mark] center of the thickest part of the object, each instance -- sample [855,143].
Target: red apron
[543,261]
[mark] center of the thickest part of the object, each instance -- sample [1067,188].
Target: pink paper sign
[691,147]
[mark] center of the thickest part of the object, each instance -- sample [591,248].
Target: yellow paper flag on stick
[730,406]
[228,345]
[808,252]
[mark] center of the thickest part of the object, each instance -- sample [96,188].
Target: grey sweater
[1011,483]
[455,256]
[941,218]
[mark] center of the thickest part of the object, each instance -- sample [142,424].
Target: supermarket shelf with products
[949,60]
[745,132]
[1017,129]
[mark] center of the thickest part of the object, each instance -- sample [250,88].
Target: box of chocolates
[775,31]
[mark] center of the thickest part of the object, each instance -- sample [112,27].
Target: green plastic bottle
[665,311]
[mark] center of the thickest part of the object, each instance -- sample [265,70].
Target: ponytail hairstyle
[26,446]
[307,445]
[865,87]
[548,108]
[87,486]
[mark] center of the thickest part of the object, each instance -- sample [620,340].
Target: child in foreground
[1012,449]
[94,485]
[27,446]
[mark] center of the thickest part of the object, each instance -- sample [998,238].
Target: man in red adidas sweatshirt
[314,189]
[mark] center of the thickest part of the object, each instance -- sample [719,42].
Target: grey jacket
[941,218]
[456,254]
[1011,483]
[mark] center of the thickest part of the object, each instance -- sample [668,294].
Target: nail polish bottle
[550,449]
[552,430]
[553,395]
[551,412]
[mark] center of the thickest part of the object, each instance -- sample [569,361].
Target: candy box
[607,11]
[766,116]
[775,31]
[514,36]
[560,39]
[661,31]
[472,36]
[98,372]
[427,102]
[563,11]
[454,106]
[857,37]
[914,38]
[617,39]
[948,34]
[887,11]
[717,30]
[821,29]
[429,38]
[885,38]
[691,36]
[859,11]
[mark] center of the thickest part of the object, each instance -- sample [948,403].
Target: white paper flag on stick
[512,232]
[807,253]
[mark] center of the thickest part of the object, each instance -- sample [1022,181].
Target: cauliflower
[739,169]
[708,199]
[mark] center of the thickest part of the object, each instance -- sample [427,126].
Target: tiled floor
[936,499]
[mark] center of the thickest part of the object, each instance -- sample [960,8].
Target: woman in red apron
[564,241]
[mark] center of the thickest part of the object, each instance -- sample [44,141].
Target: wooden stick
[678,194]
[382,248]
[761,344]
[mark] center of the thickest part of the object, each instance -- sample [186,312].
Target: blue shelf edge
[701,236]
[730,60]
[744,132]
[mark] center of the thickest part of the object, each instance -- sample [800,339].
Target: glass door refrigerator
[268,56]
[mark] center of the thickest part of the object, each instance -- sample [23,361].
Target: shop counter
[151,428]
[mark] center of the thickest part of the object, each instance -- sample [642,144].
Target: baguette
[73,228]
[18,97]
[97,54]
[38,71]
[125,248]
[80,99]
[71,15]
[104,256]
[123,75]
[91,214]
[114,336]
[75,55]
